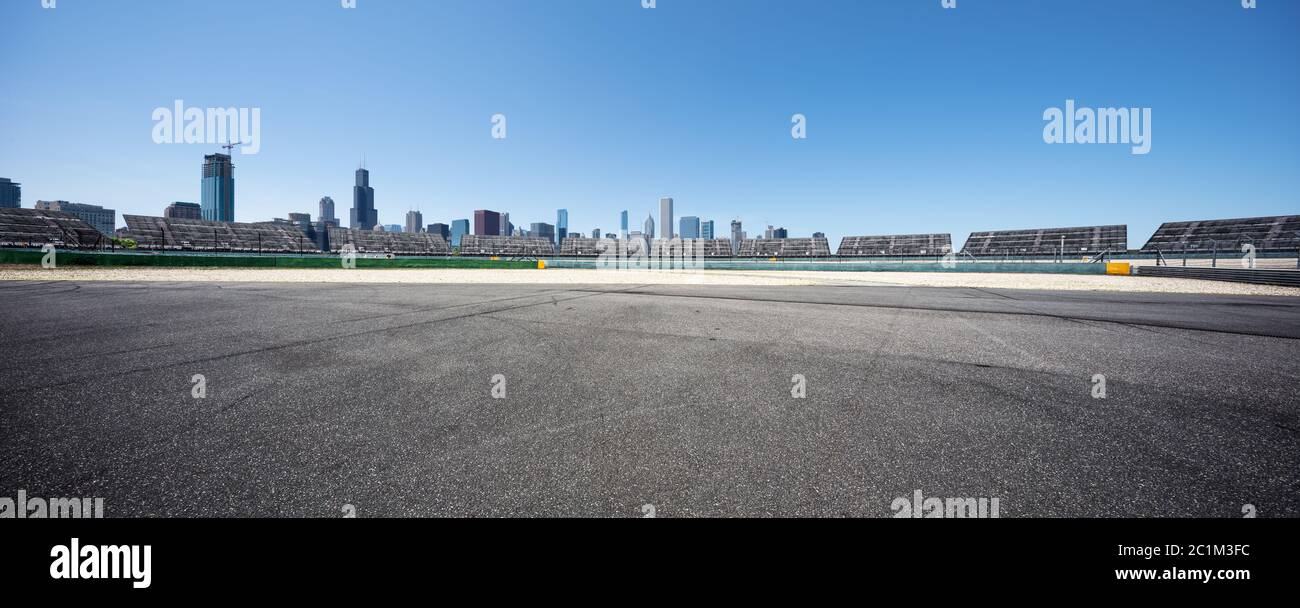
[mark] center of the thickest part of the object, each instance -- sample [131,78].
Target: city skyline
[909,128]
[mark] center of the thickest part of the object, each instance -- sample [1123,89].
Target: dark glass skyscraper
[689,227]
[218,197]
[364,214]
[561,225]
[11,194]
[487,223]
[459,228]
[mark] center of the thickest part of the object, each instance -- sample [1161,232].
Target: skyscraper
[690,227]
[326,209]
[595,233]
[414,221]
[780,233]
[440,229]
[666,216]
[364,214]
[182,210]
[218,197]
[649,230]
[561,225]
[11,194]
[623,225]
[487,223]
[706,229]
[459,228]
[736,236]
[542,230]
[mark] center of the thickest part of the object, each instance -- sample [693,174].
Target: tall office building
[326,210]
[666,216]
[364,214]
[440,229]
[690,227]
[459,228]
[487,223]
[218,197]
[506,228]
[542,230]
[561,225]
[183,211]
[736,236]
[623,225]
[414,221]
[780,233]
[11,194]
[767,234]
[103,220]
[819,235]
[649,228]
[595,233]
[706,229]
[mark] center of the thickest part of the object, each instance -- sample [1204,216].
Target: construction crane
[230,147]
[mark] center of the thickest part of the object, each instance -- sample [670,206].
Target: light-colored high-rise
[666,216]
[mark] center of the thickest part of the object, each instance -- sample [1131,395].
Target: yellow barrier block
[1123,268]
[495,258]
[541,264]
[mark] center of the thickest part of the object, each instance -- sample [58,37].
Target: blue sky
[920,119]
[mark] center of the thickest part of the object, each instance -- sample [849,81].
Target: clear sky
[920,118]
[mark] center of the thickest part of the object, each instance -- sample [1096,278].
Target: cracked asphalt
[380,396]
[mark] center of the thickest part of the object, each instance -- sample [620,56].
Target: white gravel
[626,277]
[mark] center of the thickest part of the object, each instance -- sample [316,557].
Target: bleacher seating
[577,246]
[691,248]
[895,245]
[507,246]
[785,248]
[1273,233]
[403,243]
[183,234]
[36,228]
[1047,241]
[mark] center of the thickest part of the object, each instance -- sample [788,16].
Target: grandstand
[691,248]
[1273,233]
[183,234]
[816,247]
[403,243]
[1048,241]
[576,246]
[895,245]
[511,246]
[36,228]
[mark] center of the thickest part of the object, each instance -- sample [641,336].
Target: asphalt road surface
[381,397]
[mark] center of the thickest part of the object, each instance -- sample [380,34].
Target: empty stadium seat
[817,247]
[36,228]
[1086,240]
[895,245]
[1272,233]
[507,246]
